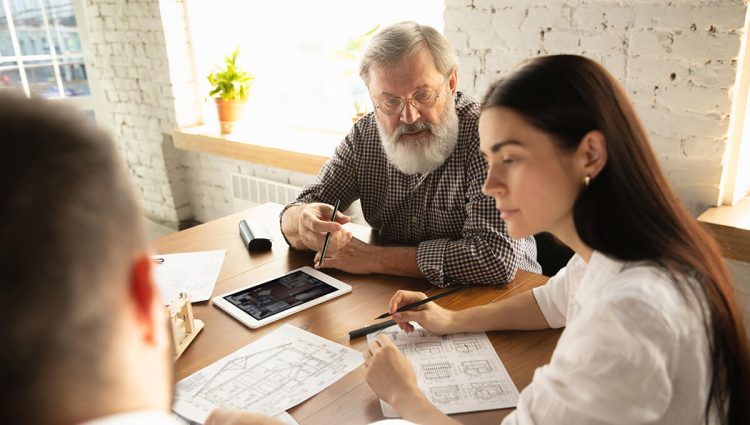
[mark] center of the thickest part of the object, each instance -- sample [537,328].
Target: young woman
[653,332]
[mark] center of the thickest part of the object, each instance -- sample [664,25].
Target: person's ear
[453,82]
[592,154]
[147,306]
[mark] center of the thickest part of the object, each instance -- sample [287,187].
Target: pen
[424,301]
[370,329]
[158,260]
[328,235]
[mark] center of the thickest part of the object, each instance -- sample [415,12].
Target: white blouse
[633,351]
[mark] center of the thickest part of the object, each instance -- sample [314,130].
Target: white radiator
[249,191]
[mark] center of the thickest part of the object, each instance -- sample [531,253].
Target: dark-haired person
[86,337]
[414,165]
[653,331]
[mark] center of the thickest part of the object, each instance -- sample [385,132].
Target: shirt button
[414,220]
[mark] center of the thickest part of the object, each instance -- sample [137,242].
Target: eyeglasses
[423,99]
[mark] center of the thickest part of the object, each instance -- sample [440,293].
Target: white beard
[427,153]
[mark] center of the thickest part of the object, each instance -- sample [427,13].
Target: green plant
[231,82]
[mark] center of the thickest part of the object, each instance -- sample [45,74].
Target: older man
[415,165]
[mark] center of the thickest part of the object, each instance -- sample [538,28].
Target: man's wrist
[290,226]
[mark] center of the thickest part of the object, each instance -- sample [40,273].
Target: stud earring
[587,181]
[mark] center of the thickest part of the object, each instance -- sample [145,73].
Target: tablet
[265,302]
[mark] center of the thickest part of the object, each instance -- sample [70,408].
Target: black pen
[328,235]
[425,301]
[158,260]
[370,329]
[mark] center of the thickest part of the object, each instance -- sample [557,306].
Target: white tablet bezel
[251,322]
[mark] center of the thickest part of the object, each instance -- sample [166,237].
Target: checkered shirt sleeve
[459,235]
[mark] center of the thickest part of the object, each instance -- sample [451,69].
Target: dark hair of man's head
[69,227]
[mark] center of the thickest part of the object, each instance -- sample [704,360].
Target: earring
[587,181]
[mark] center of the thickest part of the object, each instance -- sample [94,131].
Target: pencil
[328,235]
[424,301]
[370,329]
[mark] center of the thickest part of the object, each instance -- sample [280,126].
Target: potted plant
[231,86]
[352,55]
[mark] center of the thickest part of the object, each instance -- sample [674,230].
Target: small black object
[255,235]
[370,329]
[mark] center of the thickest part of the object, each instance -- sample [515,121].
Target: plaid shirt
[460,236]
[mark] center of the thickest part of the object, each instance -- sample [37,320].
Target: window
[294,50]
[735,181]
[41,51]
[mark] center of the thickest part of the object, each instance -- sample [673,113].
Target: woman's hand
[430,316]
[391,377]
[389,373]
[235,417]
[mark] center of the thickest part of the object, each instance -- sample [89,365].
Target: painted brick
[699,47]
[548,16]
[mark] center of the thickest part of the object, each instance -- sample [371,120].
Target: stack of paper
[194,273]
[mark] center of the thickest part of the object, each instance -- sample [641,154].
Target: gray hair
[396,42]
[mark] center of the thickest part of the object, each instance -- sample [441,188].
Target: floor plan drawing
[458,373]
[445,395]
[476,367]
[432,371]
[270,375]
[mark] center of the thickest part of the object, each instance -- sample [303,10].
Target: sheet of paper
[268,376]
[458,373]
[192,272]
[283,417]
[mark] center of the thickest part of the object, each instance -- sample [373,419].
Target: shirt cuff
[430,260]
[281,228]
[555,319]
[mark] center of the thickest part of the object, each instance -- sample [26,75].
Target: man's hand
[355,257]
[306,226]
[236,417]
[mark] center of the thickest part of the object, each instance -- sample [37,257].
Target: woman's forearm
[520,312]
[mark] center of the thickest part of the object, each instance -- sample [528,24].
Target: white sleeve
[553,296]
[610,366]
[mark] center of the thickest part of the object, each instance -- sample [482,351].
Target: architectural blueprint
[268,376]
[458,373]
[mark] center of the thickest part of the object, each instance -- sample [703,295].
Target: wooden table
[349,400]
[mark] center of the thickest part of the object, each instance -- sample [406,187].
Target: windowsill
[294,149]
[731,227]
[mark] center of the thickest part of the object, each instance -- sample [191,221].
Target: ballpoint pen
[425,301]
[328,235]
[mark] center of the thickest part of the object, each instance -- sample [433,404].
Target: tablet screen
[279,294]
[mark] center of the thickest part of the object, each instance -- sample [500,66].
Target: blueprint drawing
[268,376]
[458,373]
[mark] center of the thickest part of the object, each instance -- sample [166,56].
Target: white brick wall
[131,65]
[676,59]
[210,191]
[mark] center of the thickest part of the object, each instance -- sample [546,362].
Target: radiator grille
[249,191]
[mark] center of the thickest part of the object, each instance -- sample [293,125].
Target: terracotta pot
[230,111]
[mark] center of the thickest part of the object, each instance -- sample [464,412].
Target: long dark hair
[629,210]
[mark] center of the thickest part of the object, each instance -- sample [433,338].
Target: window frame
[92,101]
[735,179]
